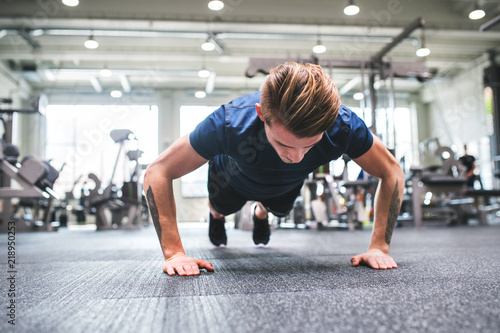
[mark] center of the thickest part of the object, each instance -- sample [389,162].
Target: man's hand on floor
[184,265]
[374,258]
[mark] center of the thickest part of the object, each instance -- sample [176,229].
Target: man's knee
[260,211]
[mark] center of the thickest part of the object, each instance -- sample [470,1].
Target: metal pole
[116,162]
[363,101]
[490,24]
[392,107]
[418,23]
[373,100]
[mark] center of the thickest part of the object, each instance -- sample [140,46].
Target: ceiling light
[423,52]
[215,5]
[319,48]
[204,73]
[358,96]
[91,43]
[36,32]
[105,72]
[207,46]
[476,14]
[49,75]
[351,9]
[200,94]
[71,3]
[116,94]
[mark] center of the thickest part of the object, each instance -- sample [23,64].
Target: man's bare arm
[379,162]
[173,163]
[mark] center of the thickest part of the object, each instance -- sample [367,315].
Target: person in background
[469,162]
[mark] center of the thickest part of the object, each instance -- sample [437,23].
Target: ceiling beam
[96,84]
[125,83]
[490,24]
[26,36]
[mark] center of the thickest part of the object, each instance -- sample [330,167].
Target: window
[395,130]
[78,137]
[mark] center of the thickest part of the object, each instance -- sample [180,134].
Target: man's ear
[259,111]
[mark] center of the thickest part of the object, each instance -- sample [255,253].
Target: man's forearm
[161,204]
[394,206]
[153,209]
[387,206]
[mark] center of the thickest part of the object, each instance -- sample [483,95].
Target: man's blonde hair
[301,97]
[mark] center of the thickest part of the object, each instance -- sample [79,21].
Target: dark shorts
[225,200]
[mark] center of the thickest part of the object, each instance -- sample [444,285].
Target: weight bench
[434,183]
[485,209]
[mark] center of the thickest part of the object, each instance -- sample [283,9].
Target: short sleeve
[360,138]
[209,137]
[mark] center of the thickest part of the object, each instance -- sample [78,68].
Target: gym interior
[91,92]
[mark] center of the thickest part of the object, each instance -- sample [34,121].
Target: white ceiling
[155,44]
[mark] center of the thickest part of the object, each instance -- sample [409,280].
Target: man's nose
[297,155]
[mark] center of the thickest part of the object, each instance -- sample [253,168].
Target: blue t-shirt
[233,136]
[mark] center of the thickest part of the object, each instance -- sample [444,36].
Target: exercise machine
[438,194]
[32,193]
[434,193]
[116,207]
[26,194]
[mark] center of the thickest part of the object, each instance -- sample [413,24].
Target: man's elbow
[399,172]
[399,175]
[395,172]
[152,173]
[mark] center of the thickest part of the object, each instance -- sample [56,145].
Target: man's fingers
[393,262]
[205,264]
[180,270]
[373,263]
[388,263]
[188,269]
[186,266]
[169,270]
[355,260]
[384,263]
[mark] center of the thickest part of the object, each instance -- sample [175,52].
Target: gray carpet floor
[447,280]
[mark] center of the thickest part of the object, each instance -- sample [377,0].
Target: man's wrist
[173,254]
[381,247]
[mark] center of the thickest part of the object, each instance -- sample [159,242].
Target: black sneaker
[261,230]
[217,231]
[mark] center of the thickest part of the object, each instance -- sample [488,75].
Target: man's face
[289,148]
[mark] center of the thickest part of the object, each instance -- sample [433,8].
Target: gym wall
[457,113]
